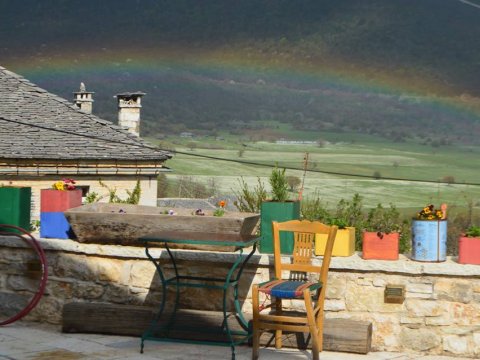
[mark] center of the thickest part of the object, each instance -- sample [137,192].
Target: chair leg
[320,321]
[312,324]
[278,333]
[255,324]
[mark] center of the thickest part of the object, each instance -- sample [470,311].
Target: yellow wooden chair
[293,280]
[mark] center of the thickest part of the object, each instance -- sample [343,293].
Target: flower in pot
[429,234]
[381,234]
[469,246]
[53,202]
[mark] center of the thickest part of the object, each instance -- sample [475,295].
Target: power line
[216,158]
[470,3]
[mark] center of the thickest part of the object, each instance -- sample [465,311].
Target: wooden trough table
[161,330]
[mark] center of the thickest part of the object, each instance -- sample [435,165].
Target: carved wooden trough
[124,224]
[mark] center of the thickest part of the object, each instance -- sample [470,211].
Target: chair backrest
[303,250]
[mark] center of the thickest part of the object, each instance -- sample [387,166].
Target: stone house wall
[148,187]
[440,315]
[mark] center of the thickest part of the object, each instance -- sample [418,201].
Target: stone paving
[34,341]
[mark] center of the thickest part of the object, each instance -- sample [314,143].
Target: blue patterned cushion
[288,289]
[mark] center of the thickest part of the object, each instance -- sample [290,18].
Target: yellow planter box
[344,242]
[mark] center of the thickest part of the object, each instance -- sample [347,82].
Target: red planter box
[59,200]
[469,250]
[376,248]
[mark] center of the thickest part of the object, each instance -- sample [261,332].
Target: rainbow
[141,63]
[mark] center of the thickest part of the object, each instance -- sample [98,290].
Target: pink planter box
[59,200]
[469,250]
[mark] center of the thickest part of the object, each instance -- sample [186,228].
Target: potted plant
[278,208]
[348,217]
[15,203]
[53,202]
[469,246]
[381,235]
[429,234]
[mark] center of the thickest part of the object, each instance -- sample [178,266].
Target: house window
[85,189]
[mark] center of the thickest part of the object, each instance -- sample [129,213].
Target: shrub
[279,185]
[293,182]
[249,200]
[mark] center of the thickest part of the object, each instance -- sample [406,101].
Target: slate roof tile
[28,114]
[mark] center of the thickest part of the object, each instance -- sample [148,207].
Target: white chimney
[129,105]
[83,99]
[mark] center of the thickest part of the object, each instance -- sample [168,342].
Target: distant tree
[187,186]
[377,175]
[192,145]
[241,152]
[162,186]
[396,164]
[449,179]
[293,182]
[321,143]
[213,184]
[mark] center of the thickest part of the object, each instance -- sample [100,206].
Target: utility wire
[470,3]
[253,163]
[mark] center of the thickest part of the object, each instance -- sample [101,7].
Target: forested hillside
[397,68]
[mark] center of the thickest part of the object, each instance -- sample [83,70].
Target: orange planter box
[469,250]
[376,248]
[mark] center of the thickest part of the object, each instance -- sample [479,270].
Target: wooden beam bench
[341,335]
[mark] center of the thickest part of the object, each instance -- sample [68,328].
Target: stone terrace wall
[441,313]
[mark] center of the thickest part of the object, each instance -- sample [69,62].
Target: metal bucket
[429,240]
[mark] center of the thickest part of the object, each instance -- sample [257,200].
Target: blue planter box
[55,225]
[429,240]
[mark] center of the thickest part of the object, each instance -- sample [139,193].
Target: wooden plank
[341,335]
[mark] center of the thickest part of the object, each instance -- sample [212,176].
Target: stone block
[117,294]
[361,298]
[411,320]
[379,282]
[74,267]
[419,339]
[22,283]
[88,291]
[453,290]
[476,343]
[142,274]
[420,288]
[361,280]
[336,288]
[60,289]
[419,308]
[334,305]
[455,344]
[466,314]
[47,310]
[106,269]
[444,320]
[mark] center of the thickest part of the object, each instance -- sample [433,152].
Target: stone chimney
[129,105]
[83,99]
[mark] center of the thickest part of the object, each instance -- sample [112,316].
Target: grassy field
[341,153]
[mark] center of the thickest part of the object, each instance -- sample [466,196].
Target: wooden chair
[298,285]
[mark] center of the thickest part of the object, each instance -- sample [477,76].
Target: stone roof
[35,124]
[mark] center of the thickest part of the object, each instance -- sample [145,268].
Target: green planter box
[15,203]
[277,211]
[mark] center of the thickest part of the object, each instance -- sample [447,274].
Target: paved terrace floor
[34,341]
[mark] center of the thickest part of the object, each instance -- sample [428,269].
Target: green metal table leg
[171,321]
[225,292]
[238,310]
